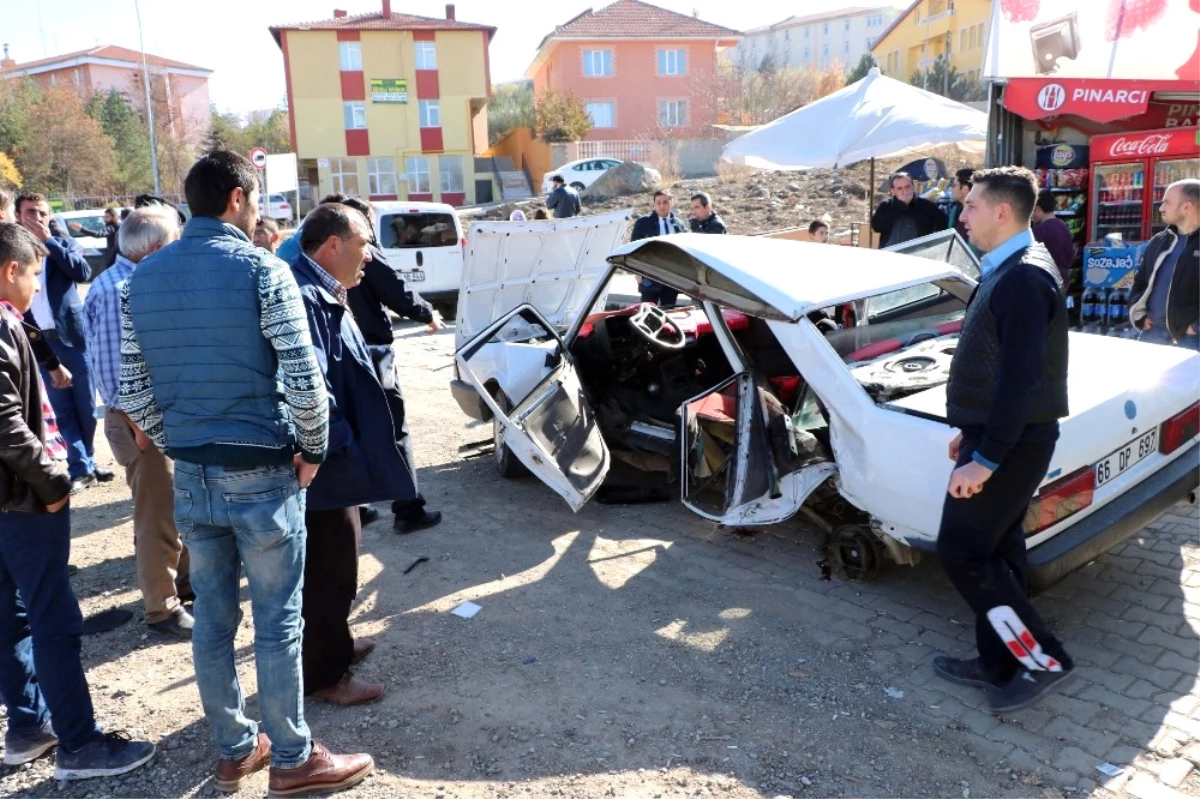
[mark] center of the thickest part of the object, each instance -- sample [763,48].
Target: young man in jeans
[211,326]
[41,676]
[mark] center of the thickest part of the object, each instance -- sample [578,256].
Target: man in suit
[58,311]
[661,222]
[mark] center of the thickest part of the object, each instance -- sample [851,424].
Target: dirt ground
[640,652]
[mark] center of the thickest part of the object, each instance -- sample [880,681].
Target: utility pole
[149,106]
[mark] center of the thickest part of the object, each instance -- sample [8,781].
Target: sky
[231,38]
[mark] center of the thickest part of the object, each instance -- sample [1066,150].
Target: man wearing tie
[662,222]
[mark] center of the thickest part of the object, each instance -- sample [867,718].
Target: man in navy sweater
[1007,391]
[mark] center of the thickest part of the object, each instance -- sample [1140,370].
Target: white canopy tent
[877,117]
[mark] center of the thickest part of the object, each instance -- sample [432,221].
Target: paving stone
[1077,710]
[1168,742]
[1191,752]
[1123,755]
[1022,739]
[1143,786]
[1163,678]
[1141,690]
[1074,759]
[1188,647]
[1088,739]
[1178,663]
[1140,597]
[1108,680]
[1174,771]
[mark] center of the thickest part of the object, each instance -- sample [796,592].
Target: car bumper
[468,399]
[1118,521]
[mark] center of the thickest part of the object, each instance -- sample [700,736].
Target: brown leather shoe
[362,648]
[351,691]
[232,774]
[324,772]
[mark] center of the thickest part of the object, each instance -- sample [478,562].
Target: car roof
[570,164]
[777,277]
[77,214]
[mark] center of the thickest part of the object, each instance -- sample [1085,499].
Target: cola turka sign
[1152,144]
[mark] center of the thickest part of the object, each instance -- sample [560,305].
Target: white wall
[817,43]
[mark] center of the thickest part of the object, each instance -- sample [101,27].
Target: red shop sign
[1100,100]
[1147,144]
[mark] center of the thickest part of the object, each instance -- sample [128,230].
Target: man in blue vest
[218,369]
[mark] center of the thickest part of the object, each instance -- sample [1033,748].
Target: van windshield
[399,231]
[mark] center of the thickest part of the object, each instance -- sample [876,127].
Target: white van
[425,241]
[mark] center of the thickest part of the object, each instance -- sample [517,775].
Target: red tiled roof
[111,52]
[635,19]
[377,22]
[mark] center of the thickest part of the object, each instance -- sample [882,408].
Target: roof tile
[109,51]
[635,19]
[377,22]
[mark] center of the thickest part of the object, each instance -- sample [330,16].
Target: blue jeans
[250,520]
[41,677]
[1159,335]
[74,407]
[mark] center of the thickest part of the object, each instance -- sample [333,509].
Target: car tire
[448,309]
[577,186]
[507,464]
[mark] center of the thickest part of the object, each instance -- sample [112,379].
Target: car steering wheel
[657,328]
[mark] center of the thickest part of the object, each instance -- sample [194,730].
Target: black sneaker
[25,747]
[107,756]
[422,521]
[367,514]
[964,671]
[83,483]
[1026,688]
[179,624]
[103,475]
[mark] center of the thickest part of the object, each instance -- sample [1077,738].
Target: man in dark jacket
[112,223]
[365,463]
[1164,303]
[959,190]
[704,218]
[1053,234]
[904,215]
[382,288]
[660,222]
[564,200]
[58,311]
[1007,391]
[42,681]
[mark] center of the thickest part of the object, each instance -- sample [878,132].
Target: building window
[672,113]
[597,63]
[381,175]
[450,169]
[426,55]
[962,39]
[826,28]
[672,62]
[356,115]
[603,115]
[806,56]
[350,56]
[75,76]
[417,175]
[343,173]
[825,52]
[53,79]
[807,31]
[847,25]
[431,113]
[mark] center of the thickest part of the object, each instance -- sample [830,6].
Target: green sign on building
[389,90]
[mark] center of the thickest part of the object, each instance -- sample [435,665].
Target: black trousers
[384,357]
[330,583]
[982,548]
[658,294]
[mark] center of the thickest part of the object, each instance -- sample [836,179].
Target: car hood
[776,278]
[553,265]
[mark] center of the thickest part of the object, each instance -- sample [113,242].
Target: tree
[267,129]
[943,78]
[560,117]
[131,142]
[511,107]
[744,95]
[9,176]
[864,66]
[69,155]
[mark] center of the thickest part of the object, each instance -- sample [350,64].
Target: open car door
[547,424]
[746,460]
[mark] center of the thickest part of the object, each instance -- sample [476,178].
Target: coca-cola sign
[1151,144]
[1155,144]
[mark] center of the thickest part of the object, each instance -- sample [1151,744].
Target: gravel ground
[620,652]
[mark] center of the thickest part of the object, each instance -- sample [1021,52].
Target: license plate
[413,277]
[1124,458]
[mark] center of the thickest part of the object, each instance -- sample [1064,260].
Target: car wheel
[577,186]
[507,464]
[856,552]
[448,309]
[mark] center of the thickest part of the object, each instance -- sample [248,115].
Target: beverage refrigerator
[1130,172]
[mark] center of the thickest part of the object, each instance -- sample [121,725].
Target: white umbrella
[877,117]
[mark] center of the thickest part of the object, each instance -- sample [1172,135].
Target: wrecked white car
[804,378]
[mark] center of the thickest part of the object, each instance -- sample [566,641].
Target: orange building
[389,105]
[641,71]
[181,88]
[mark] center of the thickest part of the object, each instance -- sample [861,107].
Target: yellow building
[388,105]
[931,28]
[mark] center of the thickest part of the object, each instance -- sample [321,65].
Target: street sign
[281,172]
[258,157]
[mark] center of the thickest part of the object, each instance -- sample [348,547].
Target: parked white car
[580,174]
[425,241]
[752,413]
[280,209]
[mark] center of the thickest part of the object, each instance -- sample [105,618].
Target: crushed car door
[550,428]
[744,460]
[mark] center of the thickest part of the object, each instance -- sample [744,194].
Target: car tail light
[464,242]
[1179,429]
[1060,499]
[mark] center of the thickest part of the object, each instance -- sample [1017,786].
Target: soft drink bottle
[1089,311]
[1117,312]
